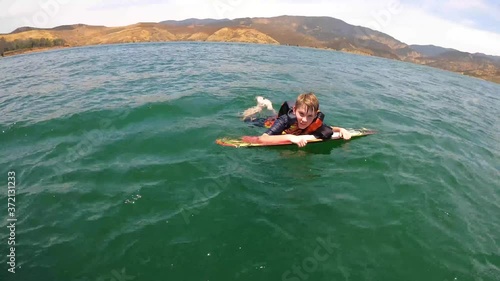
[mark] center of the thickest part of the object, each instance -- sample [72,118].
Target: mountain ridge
[316,32]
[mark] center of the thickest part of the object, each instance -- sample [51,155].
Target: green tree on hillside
[3,44]
[20,44]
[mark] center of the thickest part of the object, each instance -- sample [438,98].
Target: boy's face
[305,116]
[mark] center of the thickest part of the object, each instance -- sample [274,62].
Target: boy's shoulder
[289,116]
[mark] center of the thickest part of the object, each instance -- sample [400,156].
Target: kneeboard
[253,141]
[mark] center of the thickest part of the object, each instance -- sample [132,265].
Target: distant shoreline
[32,50]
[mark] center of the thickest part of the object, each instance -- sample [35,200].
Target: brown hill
[80,35]
[319,32]
[246,35]
[326,32]
[468,64]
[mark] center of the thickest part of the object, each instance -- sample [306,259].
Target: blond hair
[309,100]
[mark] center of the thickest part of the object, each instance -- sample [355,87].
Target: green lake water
[118,176]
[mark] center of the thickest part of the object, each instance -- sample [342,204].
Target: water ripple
[113,148]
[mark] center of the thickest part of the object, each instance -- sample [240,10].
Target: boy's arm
[343,132]
[274,134]
[299,140]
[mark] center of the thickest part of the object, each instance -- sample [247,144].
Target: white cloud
[466,4]
[414,26]
[18,8]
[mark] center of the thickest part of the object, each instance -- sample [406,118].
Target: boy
[302,123]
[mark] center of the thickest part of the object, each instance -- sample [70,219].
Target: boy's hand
[345,134]
[300,141]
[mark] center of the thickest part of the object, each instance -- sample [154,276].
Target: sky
[466,25]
